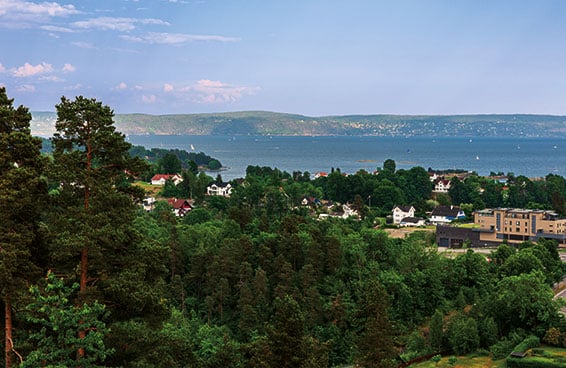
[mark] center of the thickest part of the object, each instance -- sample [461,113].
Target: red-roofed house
[180,206]
[160,179]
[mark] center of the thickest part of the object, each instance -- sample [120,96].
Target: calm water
[532,157]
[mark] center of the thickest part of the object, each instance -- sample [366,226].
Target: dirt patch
[404,231]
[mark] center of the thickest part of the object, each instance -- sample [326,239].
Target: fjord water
[532,157]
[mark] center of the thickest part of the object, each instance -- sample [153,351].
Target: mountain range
[273,123]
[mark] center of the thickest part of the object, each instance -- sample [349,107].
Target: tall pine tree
[22,192]
[93,212]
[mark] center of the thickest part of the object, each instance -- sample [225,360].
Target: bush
[535,362]
[505,346]
[528,343]
[552,337]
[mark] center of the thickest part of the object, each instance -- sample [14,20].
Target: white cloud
[117,24]
[208,91]
[68,68]
[20,14]
[28,70]
[26,88]
[50,78]
[122,85]
[149,99]
[176,38]
[75,87]
[83,45]
[2,69]
[56,29]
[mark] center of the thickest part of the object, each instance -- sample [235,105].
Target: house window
[518,230]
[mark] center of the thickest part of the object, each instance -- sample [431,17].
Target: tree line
[89,279]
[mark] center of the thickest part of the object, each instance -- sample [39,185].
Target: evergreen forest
[90,279]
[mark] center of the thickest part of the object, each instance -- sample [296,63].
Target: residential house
[160,179]
[311,201]
[148,204]
[222,189]
[412,221]
[441,186]
[180,206]
[400,212]
[446,214]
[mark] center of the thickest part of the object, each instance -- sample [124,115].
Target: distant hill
[272,123]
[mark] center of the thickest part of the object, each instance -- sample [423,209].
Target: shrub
[505,346]
[528,343]
[552,337]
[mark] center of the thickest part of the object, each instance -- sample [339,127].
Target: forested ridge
[89,279]
[273,123]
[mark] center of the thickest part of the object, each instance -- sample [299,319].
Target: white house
[160,179]
[180,206]
[400,212]
[148,203]
[222,189]
[412,221]
[441,186]
[446,214]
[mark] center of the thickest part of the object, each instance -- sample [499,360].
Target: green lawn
[463,362]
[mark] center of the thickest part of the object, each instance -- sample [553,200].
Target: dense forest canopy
[90,279]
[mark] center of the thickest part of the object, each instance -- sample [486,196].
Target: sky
[310,57]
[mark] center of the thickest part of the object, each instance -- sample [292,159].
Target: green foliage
[57,321]
[436,331]
[505,345]
[528,343]
[463,334]
[214,165]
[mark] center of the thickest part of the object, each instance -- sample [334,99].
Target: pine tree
[375,338]
[92,218]
[22,192]
[55,338]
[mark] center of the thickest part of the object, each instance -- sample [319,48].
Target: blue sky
[312,57]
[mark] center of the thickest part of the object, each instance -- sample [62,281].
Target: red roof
[179,203]
[162,176]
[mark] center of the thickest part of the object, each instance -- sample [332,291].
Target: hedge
[528,343]
[535,362]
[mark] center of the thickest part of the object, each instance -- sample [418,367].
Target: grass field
[463,362]
[473,361]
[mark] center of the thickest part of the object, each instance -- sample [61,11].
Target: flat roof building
[519,225]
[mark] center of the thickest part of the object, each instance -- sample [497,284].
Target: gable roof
[404,208]
[412,220]
[179,203]
[157,177]
[446,211]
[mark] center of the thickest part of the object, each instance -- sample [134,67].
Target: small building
[412,222]
[222,189]
[401,212]
[160,179]
[180,206]
[446,214]
[148,204]
[441,186]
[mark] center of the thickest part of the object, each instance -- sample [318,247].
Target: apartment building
[518,225]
